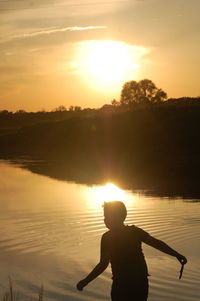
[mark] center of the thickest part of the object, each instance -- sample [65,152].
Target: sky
[81,52]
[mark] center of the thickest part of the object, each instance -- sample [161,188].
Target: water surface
[50,232]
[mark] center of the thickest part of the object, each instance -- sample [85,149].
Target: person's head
[114,214]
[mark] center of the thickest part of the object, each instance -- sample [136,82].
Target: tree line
[133,93]
[141,139]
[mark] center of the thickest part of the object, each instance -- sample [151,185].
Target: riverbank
[153,148]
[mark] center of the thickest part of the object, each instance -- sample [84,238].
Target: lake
[50,232]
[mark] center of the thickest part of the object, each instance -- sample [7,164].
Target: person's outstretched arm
[163,247]
[99,268]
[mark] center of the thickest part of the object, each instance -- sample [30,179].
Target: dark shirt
[125,252]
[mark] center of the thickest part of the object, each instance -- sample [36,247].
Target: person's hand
[182,259]
[81,284]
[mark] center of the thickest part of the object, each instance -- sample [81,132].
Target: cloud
[51,30]
[54,30]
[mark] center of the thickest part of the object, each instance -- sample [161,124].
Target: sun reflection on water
[109,192]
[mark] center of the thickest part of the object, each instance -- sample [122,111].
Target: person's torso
[125,251]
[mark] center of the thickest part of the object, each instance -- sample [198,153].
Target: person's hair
[116,210]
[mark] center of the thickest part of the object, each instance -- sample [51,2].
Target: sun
[107,62]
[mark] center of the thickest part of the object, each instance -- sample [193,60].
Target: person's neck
[118,227]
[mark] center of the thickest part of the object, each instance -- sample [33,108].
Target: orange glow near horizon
[107,63]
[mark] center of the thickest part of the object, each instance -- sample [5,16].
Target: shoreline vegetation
[151,144]
[11,295]
[148,147]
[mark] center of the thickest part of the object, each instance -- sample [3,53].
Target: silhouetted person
[121,246]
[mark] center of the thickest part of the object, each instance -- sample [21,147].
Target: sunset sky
[80,52]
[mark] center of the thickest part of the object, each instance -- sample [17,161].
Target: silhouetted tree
[144,91]
[77,108]
[60,109]
[107,108]
[71,108]
[115,103]
[74,108]
[5,112]
[20,112]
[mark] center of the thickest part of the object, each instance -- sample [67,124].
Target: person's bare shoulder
[106,234]
[106,237]
[141,234]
